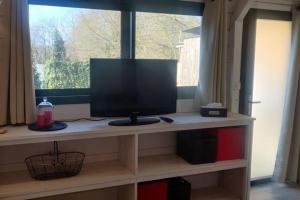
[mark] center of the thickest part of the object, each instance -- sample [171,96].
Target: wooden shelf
[124,192]
[166,166]
[137,154]
[212,194]
[88,130]
[19,185]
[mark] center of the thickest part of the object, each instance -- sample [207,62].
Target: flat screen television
[133,88]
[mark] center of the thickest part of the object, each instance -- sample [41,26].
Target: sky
[38,13]
[58,15]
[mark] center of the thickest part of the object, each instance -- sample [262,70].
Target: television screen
[125,87]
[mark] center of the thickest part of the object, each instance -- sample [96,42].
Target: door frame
[248,53]
[247,62]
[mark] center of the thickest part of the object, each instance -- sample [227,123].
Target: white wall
[78,111]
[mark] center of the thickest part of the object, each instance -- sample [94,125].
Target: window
[64,39]
[169,36]
[66,34]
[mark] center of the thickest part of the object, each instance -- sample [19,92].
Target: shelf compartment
[167,166]
[19,185]
[125,192]
[213,193]
[109,162]
[223,185]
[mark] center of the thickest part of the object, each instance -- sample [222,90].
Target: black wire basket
[55,164]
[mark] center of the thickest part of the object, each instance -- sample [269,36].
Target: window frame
[128,11]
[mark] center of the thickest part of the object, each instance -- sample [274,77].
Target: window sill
[81,96]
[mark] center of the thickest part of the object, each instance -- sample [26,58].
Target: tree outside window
[64,39]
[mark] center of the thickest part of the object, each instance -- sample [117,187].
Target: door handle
[254,102]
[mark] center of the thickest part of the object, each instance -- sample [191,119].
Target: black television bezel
[129,113]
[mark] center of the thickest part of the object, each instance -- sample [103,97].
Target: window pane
[165,36]
[64,39]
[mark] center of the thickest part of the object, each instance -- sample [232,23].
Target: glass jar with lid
[44,112]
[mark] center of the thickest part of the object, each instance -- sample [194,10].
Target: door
[267,41]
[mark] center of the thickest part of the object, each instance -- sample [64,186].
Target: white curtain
[288,157]
[213,72]
[17,98]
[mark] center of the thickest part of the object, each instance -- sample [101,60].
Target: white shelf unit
[118,158]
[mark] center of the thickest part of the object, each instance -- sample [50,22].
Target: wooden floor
[275,191]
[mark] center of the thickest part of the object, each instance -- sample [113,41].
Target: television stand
[134,120]
[119,158]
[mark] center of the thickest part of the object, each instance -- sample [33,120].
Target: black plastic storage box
[179,189]
[197,147]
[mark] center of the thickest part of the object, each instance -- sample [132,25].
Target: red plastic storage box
[231,143]
[156,190]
